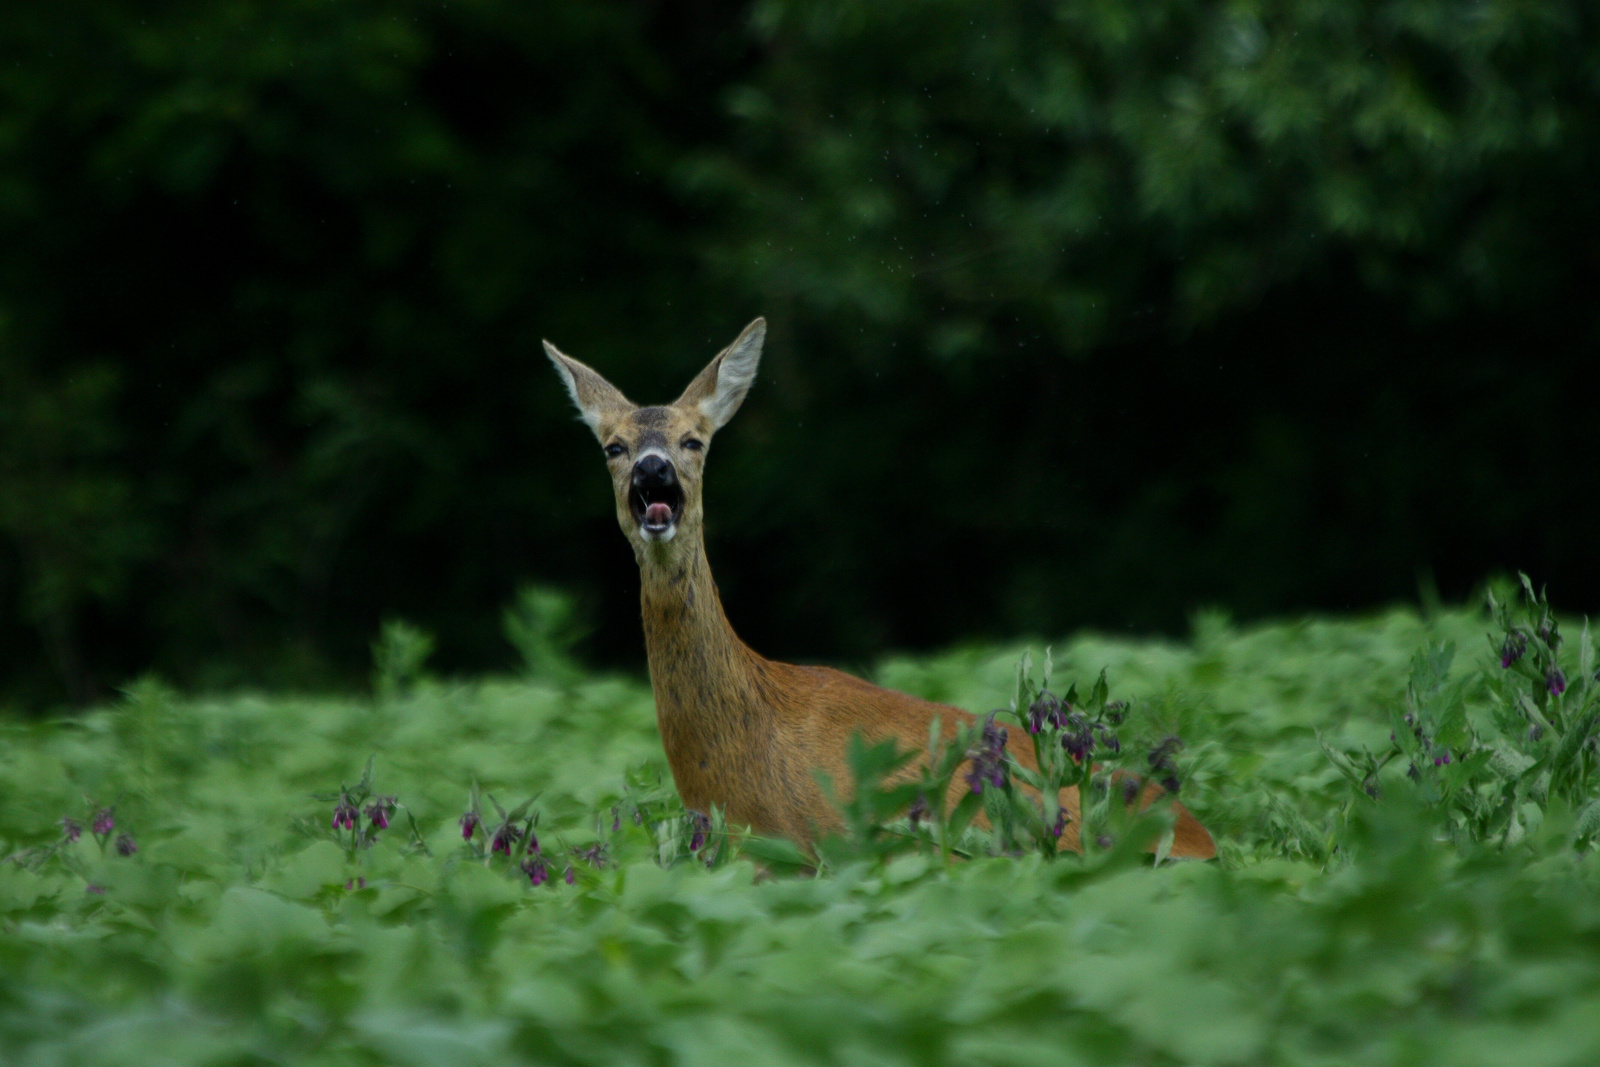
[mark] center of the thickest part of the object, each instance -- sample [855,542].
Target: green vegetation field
[1333,929]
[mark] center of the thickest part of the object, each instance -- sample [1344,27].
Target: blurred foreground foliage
[1124,308]
[243,929]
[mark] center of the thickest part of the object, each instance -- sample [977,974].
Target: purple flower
[1130,790]
[702,826]
[469,825]
[125,845]
[1116,711]
[104,822]
[345,814]
[1046,711]
[1109,742]
[616,820]
[1555,681]
[918,811]
[595,855]
[1161,756]
[71,828]
[1511,650]
[994,735]
[1079,737]
[379,811]
[988,759]
[505,838]
[536,870]
[985,770]
[356,883]
[1061,823]
[569,875]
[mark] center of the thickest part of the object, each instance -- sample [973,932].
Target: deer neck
[708,684]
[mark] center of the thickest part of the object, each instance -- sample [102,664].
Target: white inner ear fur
[735,373]
[589,413]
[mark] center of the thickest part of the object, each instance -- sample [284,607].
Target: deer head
[657,455]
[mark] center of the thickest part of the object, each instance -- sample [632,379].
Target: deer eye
[613,451]
[692,443]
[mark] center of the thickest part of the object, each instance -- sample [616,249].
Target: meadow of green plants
[1406,872]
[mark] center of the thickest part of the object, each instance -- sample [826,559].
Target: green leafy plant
[543,625]
[1531,752]
[894,808]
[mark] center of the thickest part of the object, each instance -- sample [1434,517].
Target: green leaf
[1587,824]
[1097,695]
[962,816]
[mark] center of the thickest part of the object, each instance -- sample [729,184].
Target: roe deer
[740,730]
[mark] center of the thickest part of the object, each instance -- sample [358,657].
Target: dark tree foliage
[1083,313]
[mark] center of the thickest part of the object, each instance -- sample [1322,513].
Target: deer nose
[653,471]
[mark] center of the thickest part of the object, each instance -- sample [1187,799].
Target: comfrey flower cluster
[1162,765]
[989,758]
[1440,757]
[701,824]
[504,840]
[359,815]
[102,824]
[512,837]
[535,868]
[347,814]
[1515,646]
[1079,733]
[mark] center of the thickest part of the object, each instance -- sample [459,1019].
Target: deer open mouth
[656,501]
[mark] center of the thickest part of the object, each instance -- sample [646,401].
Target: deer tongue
[658,514]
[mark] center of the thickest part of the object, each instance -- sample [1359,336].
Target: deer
[750,735]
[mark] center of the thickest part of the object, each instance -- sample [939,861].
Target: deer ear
[595,397]
[717,391]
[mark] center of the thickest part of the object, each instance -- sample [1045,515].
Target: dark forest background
[1082,313]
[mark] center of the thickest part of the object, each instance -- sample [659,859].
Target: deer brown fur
[741,731]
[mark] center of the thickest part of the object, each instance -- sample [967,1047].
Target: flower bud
[702,826]
[504,838]
[1511,650]
[918,810]
[379,811]
[345,814]
[1130,791]
[1043,712]
[104,822]
[469,825]
[125,845]
[1550,633]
